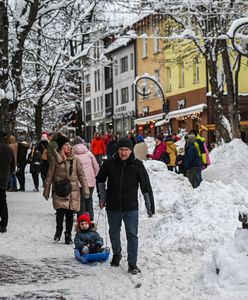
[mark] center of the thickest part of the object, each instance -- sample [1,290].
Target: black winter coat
[7,164]
[111,148]
[124,178]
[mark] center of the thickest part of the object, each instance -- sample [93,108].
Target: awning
[161,122]
[186,111]
[154,118]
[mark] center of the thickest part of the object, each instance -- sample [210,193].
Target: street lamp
[146,84]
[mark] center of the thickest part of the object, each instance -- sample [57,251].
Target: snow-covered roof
[148,119]
[119,43]
[186,111]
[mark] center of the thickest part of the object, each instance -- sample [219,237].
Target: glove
[85,250]
[96,248]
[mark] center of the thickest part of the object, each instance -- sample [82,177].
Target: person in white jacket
[91,168]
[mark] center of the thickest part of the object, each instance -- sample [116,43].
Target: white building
[122,53]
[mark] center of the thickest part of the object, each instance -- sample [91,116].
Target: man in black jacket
[124,174]
[7,167]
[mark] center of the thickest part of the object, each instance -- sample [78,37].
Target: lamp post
[145,85]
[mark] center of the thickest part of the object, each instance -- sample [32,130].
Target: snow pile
[193,234]
[228,163]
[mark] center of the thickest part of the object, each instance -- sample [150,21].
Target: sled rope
[105,225]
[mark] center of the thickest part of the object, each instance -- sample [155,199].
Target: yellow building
[149,61]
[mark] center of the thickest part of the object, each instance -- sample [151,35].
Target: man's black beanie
[124,142]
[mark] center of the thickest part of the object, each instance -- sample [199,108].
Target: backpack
[165,157]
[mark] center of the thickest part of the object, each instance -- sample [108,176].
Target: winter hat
[124,142]
[61,141]
[140,138]
[78,140]
[191,138]
[84,217]
[159,137]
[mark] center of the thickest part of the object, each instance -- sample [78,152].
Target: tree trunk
[38,120]
[222,132]
[232,101]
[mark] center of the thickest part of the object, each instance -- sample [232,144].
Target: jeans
[86,204]
[3,209]
[131,220]
[60,213]
[13,181]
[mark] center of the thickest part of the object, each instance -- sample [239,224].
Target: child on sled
[87,239]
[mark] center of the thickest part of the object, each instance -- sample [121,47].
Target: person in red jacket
[98,148]
[160,148]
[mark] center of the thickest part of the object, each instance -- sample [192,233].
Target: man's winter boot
[116,260]
[68,239]
[57,236]
[133,269]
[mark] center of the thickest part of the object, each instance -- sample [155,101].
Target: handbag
[63,187]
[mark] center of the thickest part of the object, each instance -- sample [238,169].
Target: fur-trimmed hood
[92,227]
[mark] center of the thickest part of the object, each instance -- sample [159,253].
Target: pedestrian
[87,239]
[140,149]
[180,162]
[171,149]
[160,148]
[112,145]
[23,147]
[11,141]
[64,172]
[42,148]
[98,148]
[192,161]
[7,167]
[123,174]
[131,138]
[91,169]
[34,159]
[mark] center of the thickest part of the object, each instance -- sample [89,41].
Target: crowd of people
[70,171]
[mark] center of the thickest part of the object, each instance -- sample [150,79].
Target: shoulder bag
[63,187]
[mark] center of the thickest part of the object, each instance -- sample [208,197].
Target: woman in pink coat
[91,168]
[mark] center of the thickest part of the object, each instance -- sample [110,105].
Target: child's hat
[84,217]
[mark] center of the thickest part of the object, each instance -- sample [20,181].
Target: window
[98,76]
[181,75]
[116,97]
[95,77]
[156,41]
[124,95]
[196,71]
[144,47]
[132,89]
[88,108]
[101,103]
[97,80]
[131,61]
[94,104]
[108,100]
[124,64]
[98,104]
[168,79]
[87,83]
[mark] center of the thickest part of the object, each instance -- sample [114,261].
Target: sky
[193,233]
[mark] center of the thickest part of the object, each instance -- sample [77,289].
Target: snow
[193,233]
